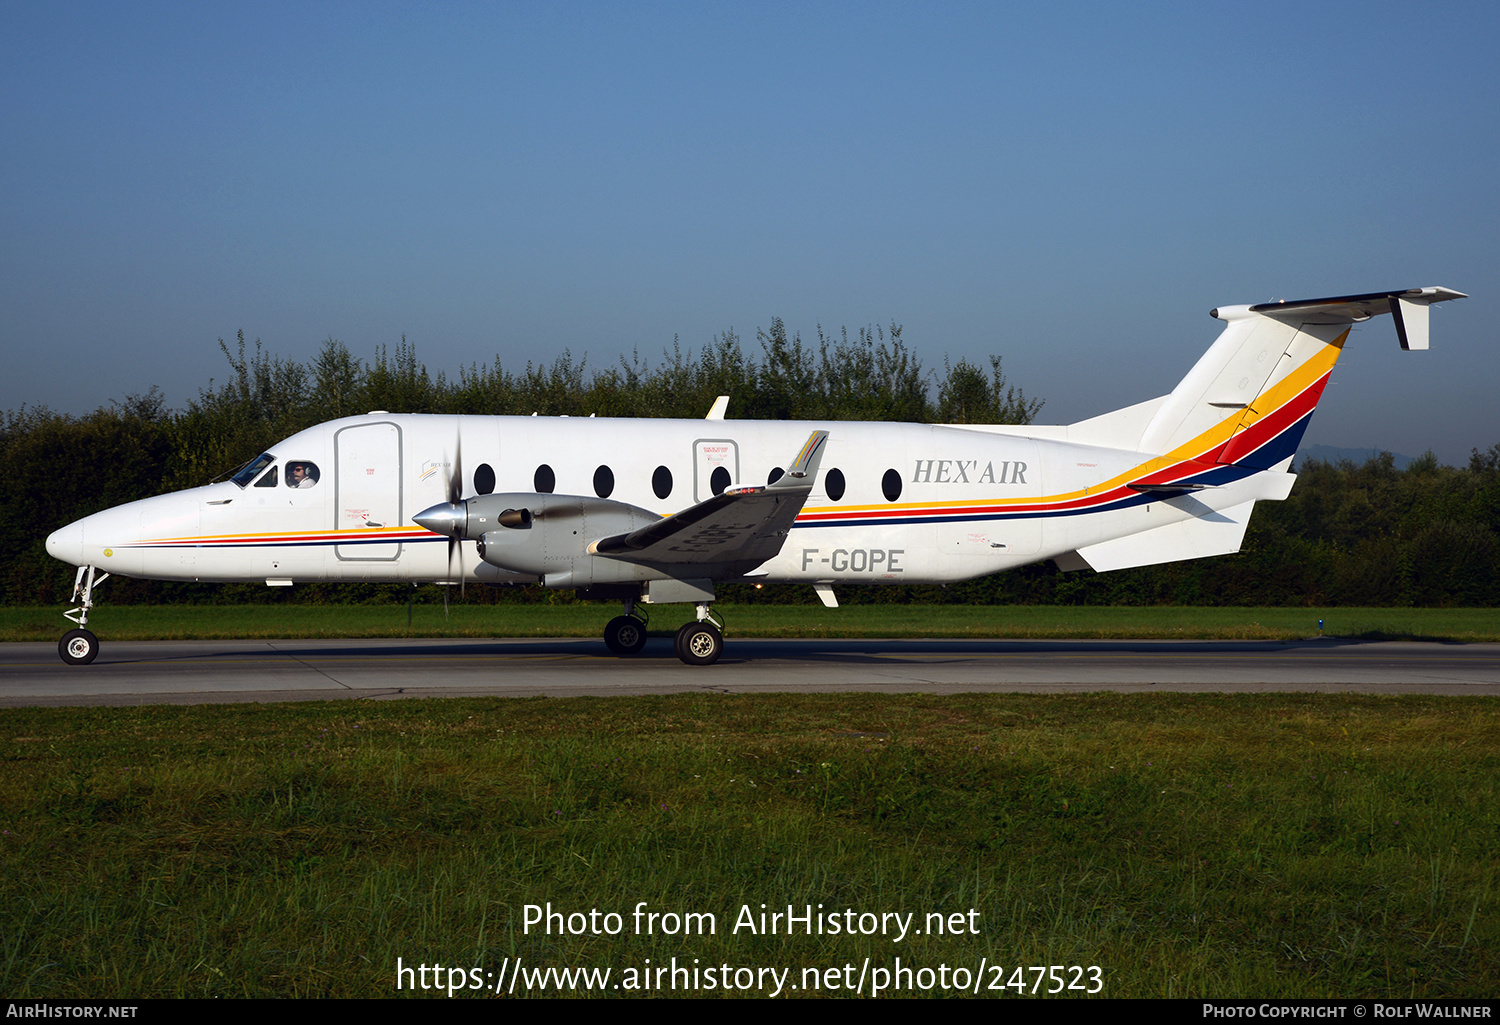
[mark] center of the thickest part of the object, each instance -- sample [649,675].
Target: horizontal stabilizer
[1408,307]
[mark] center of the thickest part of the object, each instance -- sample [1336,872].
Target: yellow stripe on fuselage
[1267,402]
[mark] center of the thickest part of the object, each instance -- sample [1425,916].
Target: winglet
[806,463]
[719,408]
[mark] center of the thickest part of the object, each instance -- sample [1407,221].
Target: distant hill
[1357,456]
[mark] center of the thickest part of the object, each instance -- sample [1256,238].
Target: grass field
[1186,845]
[145,622]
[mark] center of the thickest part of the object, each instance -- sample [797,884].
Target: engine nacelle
[549,535]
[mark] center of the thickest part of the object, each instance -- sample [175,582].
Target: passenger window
[268,479]
[890,485]
[833,485]
[545,480]
[604,482]
[661,482]
[775,475]
[301,474]
[718,480]
[484,479]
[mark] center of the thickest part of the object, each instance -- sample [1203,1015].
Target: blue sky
[1072,186]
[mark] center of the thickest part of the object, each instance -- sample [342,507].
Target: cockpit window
[269,480]
[250,470]
[301,474]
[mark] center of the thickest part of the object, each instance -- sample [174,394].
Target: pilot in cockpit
[301,475]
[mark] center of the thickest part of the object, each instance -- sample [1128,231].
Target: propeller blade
[456,478]
[455,495]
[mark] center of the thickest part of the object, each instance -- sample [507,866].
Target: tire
[78,647]
[625,635]
[700,644]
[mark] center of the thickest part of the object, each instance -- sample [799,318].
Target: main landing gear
[626,635]
[698,643]
[80,647]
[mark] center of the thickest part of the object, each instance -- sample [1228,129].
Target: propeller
[455,496]
[450,518]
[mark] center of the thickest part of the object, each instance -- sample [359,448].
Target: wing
[742,525]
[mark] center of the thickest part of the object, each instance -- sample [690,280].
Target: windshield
[249,470]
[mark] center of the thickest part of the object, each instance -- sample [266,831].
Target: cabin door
[367,504]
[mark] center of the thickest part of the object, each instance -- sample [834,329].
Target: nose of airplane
[118,540]
[66,544]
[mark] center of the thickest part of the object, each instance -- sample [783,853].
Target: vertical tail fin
[1248,400]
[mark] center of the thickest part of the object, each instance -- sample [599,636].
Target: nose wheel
[78,647]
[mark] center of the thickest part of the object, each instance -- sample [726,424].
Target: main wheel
[700,644]
[625,635]
[78,647]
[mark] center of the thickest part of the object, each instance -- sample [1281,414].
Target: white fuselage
[919,503]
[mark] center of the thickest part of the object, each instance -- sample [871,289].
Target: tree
[967,396]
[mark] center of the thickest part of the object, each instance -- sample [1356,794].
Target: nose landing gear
[80,647]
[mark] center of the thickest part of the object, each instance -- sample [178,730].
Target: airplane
[650,512]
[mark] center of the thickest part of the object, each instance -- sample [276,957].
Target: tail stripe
[1222,454]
